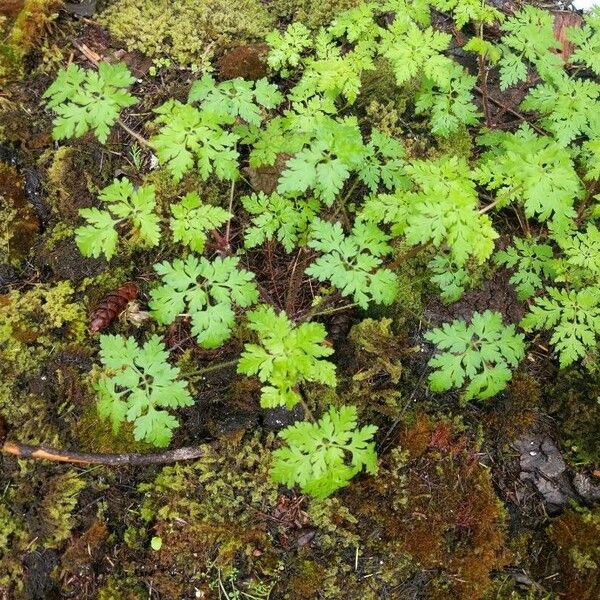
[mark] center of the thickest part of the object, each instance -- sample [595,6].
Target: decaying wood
[113,460]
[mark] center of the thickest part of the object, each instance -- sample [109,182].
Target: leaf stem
[228,229]
[307,410]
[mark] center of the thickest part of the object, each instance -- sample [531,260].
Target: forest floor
[478,500]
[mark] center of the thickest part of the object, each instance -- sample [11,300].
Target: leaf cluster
[206,291]
[324,456]
[275,216]
[441,208]
[481,352]
[192,219]
[138,385]
[353,263]
[286,356]
[125,205]
[86,99]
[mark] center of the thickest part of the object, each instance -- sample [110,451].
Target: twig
[114,460]
[141,140]
[489,207]
[307,410]
[510,110]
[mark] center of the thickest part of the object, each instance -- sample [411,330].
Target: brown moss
[86,548]
[247,61]
[518,411]
[19,224]
[306,581]
[69,174]
[444,514]
[576,533]
[26,31]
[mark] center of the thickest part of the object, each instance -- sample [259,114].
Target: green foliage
[465,11]
[192,219]
[326,162]
[481,352]
[209,290]
[137,385]
[352,263]
[334,62]
[528,38]
[574,318]
[324,456]
[568,107]
[236,97]
[286,48]
[276,216]
[530,262]
[449,277]
[123,204]
[286,356]
[580,263]
[195,138]
[383,163]
[449,101]
[587,41]
[441,209]
[533,171]
[413,51]
[85,100]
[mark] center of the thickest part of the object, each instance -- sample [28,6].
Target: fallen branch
[113,460]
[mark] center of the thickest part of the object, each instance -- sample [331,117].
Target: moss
[122,588]
[21,35]
[69,173]
[574,404]
[379,348]
[13,541]
[33,325]
[86,548]
[19,222]
[313,13]
[55,512]
[576,533]
[212,509]
[186,31]
[515,413]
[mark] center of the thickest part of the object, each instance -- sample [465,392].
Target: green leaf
[84,99]
[481,352]
[192,220]
[574,318]
[352,263]
[209,289]
[191,137]
[136,381]
[286,356]
[316,457]
[99,236]
[123,203]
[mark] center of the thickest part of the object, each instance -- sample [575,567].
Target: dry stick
[510,110]
[113,460]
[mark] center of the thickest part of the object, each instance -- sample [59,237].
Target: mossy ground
[443,519]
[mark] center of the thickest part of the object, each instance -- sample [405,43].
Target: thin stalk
[228,228]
